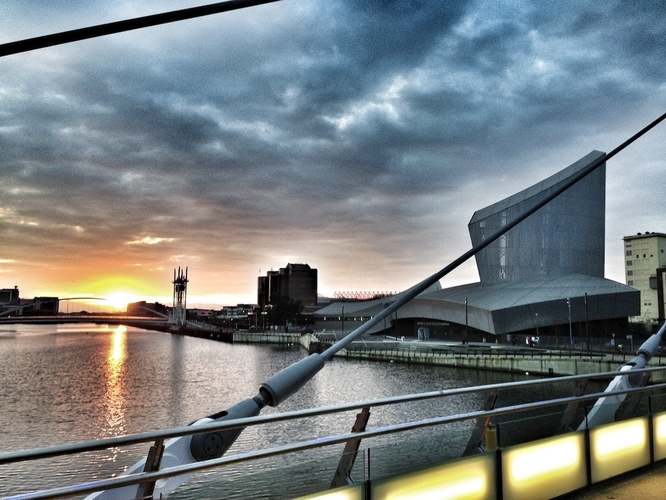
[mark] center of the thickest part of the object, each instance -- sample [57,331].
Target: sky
[356,136]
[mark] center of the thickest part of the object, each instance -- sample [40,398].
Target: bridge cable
[99,30]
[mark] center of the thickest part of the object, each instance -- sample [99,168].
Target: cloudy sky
[357,136]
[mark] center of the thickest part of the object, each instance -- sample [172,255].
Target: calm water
[68,383]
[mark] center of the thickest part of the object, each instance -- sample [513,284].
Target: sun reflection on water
[115,399]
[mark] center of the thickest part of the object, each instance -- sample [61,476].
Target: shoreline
[480,356]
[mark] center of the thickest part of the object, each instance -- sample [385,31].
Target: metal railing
[293,416]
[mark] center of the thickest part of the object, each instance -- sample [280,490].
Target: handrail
[61,492]
[145,437]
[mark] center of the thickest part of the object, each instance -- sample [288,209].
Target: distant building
[644,266]
[296,281]
[12,304]
[142,308]
[240,311]
[9,296]
[44,305]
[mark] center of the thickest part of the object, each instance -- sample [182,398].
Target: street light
[570,334]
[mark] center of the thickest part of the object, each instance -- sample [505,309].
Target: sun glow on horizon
[119,300]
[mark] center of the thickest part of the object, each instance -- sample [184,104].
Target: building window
[630,263]
[630,283]
[628,253]
[630,273]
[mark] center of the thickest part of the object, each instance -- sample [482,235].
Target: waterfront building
[143,308]
[12,303]
[544,276]
[644,266]
[297,282]
[9,296]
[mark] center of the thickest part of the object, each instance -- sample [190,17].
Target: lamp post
[466,341]
[570,333]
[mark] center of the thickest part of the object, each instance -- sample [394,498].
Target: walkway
[645,484]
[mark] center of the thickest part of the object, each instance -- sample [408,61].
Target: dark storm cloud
[312,121]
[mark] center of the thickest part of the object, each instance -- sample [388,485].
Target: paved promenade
[645,484]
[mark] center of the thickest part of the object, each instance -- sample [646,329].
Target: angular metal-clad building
[565,236]
[547,272]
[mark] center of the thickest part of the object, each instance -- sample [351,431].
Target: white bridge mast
[178,314]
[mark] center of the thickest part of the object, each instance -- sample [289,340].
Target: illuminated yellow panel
[467,479]
[354,492]
[544,469]
[659,424]
[618,447]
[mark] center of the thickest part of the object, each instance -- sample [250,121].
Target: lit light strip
[459,488]
[344,493]
[544,469]
[619,447]
[621,437]
[545,459]
[465,479]
[659,425]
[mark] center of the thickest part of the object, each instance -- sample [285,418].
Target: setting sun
[120,300]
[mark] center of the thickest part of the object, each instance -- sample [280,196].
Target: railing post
[572,409]
[475,443]
[343,473]
[153,461]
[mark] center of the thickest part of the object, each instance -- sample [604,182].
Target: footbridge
[112,319]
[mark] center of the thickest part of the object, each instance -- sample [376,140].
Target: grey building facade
[565,236]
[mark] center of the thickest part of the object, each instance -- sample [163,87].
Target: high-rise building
[298,282]
[644,266]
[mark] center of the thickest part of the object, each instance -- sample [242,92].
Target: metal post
[466,323]
[587,330]
[343,473]
[153,461]
[660,293]
[475,443]
[570,332]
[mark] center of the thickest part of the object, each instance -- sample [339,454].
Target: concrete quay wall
[539,364]
[266,338]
